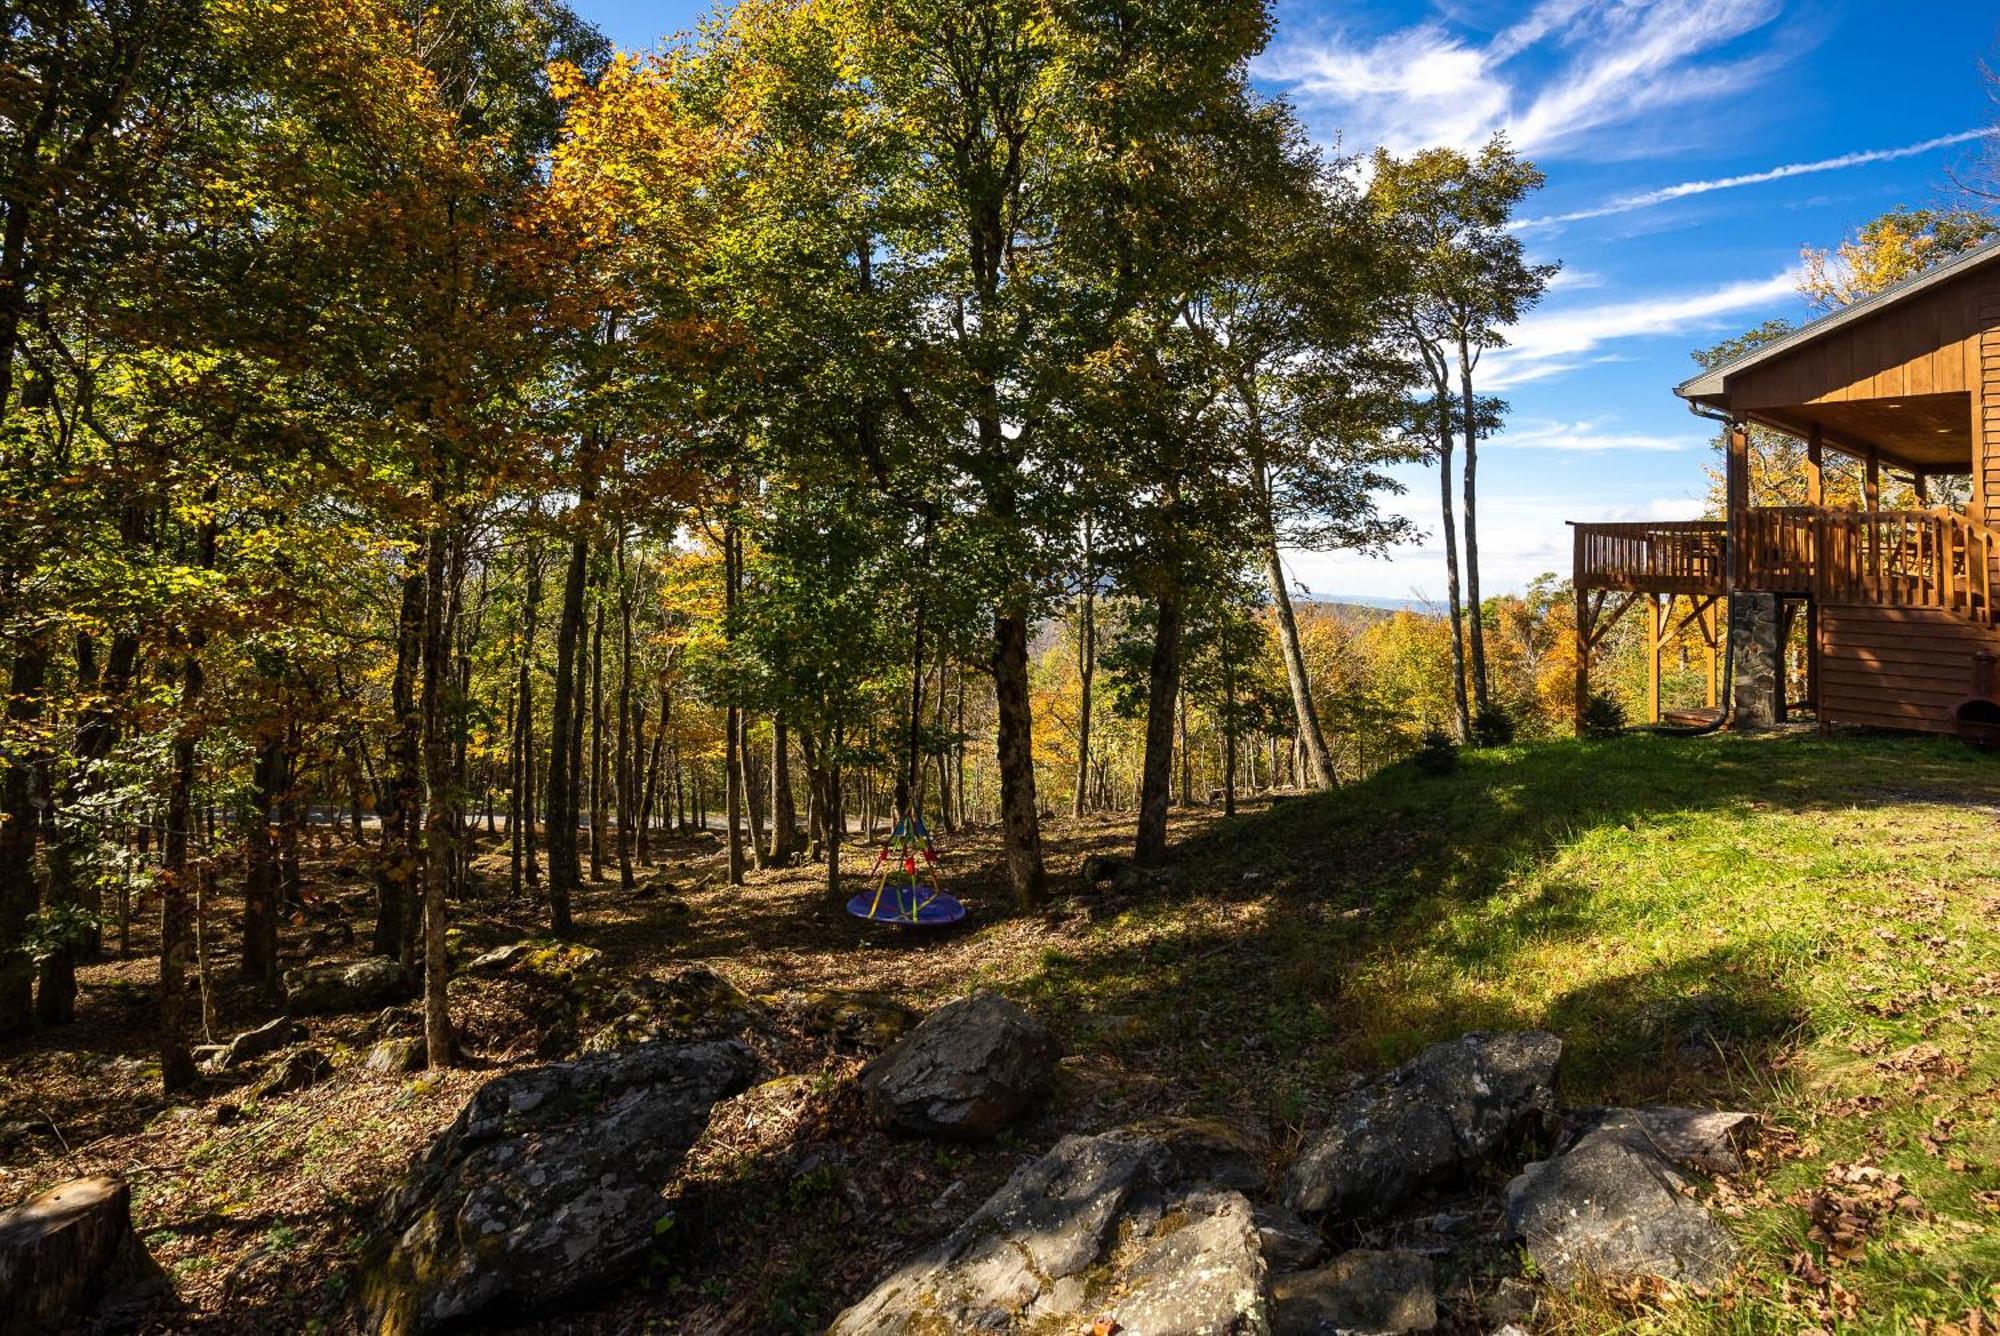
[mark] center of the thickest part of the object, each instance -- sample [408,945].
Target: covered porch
[1894,600]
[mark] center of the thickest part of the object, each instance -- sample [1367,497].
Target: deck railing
[1678,557]
[1894,558]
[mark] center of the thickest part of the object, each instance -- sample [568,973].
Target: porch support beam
[1815,473]
[1736,494]
[1872,480]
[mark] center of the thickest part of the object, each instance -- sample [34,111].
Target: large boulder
[1101,1226]
[1357,1292]
[301,1069]
[265,1039]
[971,1068]
[1426,1122]
[68,1253]
[1615,1206]
[551,1180]
[362,986]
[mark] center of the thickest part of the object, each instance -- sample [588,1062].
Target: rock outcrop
[1357,1292]
[1616,1206]
[67,1253]
[1426,1122]
[362,986]
[265,1039]
[550,1181]
[1101,1226]
[968,1070]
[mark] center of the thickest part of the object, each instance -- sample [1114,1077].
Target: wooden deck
[1934,559]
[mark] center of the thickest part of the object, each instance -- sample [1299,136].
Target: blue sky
[1647,118]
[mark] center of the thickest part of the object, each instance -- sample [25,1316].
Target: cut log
[64,1253]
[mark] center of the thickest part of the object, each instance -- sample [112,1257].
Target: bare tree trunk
[599,798]
[1019,820]
[732,776]
[398,857]
[177,1071]
[439,819]
[652,793]
[1162,691]
[566,712]
[1450,535]
[626,801]
[1304,712]
[1086,674]
[20,823]
[1187,752]
[1475,624]
[784,812]
[259,964]
[753,804]
[521,801]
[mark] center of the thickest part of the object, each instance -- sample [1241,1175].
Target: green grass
[1806,928]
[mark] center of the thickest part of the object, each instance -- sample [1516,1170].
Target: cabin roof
[1709,384]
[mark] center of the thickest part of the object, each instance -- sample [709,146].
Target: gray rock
[1095,1217]
[69,1253]
[1100,868]
[301,1069]
[1426,1122]
[1708,1141]
[254,1044]
[1357,1292]
[551,1180]
[365,985]
[1288,1243]
[396,1057]
[1613,1207]
[968,1070]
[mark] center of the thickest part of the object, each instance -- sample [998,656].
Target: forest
[464,485]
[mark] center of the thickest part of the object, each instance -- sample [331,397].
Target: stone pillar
[1756,666]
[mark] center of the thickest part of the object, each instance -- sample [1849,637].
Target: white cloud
[1647,198]
[1548,343]
[1589,436]
[1608,63]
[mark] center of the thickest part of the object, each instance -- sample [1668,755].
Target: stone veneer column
[1756,674]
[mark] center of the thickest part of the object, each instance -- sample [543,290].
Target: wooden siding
[1896,667]
[1986,410]
[1927,344]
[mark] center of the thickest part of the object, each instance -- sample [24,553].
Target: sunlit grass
[1806,928]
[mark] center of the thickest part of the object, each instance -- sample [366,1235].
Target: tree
[1470,280]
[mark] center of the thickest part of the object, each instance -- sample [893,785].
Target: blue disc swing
[909,859]
[912,902]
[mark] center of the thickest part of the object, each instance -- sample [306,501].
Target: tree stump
[64,1252]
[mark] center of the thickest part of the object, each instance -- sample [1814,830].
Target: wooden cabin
[1895,603]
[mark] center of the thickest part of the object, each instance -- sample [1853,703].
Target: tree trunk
[784,812]
[732,767]
[1228,734]
[1163,683]
[565,713]
[20,823]
[652,792]
[1304,712]
[1019,819]
[177,1070]
[1450,535]
[599,797]
[439,821]
[398,858]
[1475,623]
[259,964]
[626,802]
[753,801]
[1186,752]
[521,800]
[1086,674]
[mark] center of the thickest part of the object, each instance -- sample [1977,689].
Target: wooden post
[1710,634]
[1582,636]
[1815,474]
[1872,484]
[1736,493]
[1653,615]
[1922,482]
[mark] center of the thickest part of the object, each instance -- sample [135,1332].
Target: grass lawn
[1807,929]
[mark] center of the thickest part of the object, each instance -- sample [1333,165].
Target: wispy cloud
[1645,199]
[1590,436]
[1549,343]
[1602,63]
